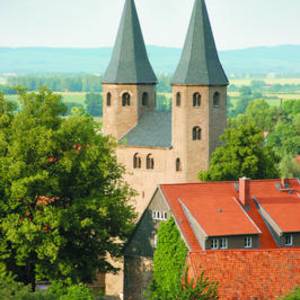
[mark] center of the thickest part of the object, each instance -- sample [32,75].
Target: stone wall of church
[195,154]
[119,119]
[145,181]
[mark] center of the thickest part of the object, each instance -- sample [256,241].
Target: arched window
[126,99]
[197,133]
[196,100]
[137,161]
[178,99]
[145,99]
[178,165]
[216,99]
[108,99]
[150,162]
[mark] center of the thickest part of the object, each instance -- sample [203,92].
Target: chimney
[244,191]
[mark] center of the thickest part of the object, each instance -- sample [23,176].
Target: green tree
[63,204]
[289,167]
[170,280]
[93,104]
[295,295]
[285,137]
[262,114]
[243,153]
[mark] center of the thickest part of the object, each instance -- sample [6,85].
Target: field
[273,99]
[247,81]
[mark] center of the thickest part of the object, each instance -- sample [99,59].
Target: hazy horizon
[93,23]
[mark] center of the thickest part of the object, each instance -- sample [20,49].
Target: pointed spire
[129,63]
[199,63]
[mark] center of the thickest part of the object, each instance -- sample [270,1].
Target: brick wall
[247,274]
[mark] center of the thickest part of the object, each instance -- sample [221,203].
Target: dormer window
[248,243]
[196,100]
[214,244]
[223,243]
[126,99]
[288,240]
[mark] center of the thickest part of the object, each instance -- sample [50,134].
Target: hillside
[280,60]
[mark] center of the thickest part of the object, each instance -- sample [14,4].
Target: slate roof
[199,63]
[129,63]
[153,130]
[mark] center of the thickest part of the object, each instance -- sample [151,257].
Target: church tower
[199,88]
[129,83]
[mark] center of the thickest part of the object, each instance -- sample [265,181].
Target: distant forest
[67,83]
[281,60]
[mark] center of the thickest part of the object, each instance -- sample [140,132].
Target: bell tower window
[178,99]
[108,99]
[197,133]
[150,162]
[126,99]
[196,100]
[145,99]
[216,99]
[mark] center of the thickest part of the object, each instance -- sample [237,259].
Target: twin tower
[164,147]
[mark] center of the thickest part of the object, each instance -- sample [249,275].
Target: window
[216,99]
[197,133]
[288,240]
[159,215]
[248,242]
[108,99]
[223,243]
[150,162]
[137,161]
[145,99]
[154,214]
[196,100]
[214,244]
[178,165]
[126,99]
[178,99]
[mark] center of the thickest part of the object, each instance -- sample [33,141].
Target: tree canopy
[63,204]
[243,153]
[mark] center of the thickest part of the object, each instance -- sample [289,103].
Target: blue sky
[93,23]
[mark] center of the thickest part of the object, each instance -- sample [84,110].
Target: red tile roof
[249,274]
[282,206]
[215,208]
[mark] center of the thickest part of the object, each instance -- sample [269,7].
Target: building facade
[245,235]
[164,147]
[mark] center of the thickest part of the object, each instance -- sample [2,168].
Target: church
[164,147]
